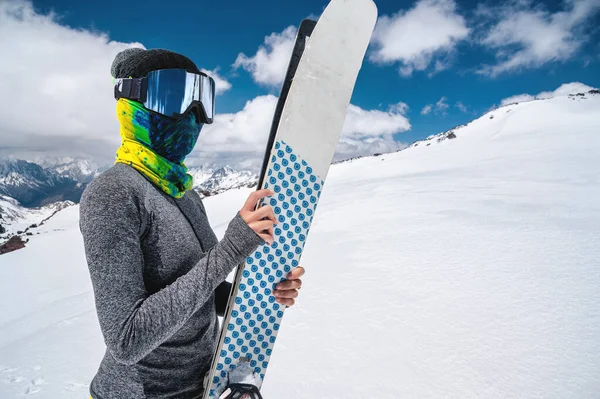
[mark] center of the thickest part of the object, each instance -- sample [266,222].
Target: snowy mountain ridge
[222,179]
[54,179]
[29,191]
[35,186]
[208,180]
[501,112]
[493,113]
[78,169]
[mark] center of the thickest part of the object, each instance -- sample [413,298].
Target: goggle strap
[131,88]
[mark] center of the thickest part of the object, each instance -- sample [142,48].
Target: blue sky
[464,56]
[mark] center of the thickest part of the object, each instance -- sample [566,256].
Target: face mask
[172,139]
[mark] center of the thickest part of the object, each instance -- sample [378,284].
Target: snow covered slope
[15,218]
[50,341]
[463,269]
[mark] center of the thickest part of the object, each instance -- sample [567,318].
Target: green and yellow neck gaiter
[156,145]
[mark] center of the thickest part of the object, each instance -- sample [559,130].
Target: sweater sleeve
[132,321]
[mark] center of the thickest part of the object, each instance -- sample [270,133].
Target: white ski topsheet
[307,135]
[315,110]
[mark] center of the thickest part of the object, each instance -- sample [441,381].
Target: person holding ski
[156,266]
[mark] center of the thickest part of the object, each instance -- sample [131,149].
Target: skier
[157,269]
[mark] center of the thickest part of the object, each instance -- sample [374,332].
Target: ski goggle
[172,92]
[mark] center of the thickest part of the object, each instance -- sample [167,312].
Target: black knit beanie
[137,62]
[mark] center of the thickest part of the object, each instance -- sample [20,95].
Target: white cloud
[439,66]
[439,107]
[406,71]
[563,90]
[269,65]
[461,107]
[361,123]
[517,99]
[221,84]
[61,101]
[528,36]
[415,38]
[367,132]
[60,87]
[399,108]
[566,89]
[59,104]
[238,139]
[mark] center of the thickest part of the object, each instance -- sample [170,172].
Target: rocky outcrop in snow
[16,220]
[13,244]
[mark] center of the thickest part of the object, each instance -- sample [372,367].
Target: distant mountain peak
[79,169]
[32,185]
[210,181]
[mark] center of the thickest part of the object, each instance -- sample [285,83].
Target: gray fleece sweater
[154,284]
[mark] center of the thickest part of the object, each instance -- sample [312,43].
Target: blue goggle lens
[172,92]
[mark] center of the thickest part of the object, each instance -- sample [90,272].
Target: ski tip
[374,12]
[307,21]
[367,9]
[373,6]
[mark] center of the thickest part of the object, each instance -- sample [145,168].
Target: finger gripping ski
[306,127]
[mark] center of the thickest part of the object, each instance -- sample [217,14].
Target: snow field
[463,269]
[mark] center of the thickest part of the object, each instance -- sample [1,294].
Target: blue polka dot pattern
[248,334]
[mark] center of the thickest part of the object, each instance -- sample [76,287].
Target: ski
[304,32]
[307,123]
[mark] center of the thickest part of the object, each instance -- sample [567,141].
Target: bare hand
[260,220]
[287,290]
